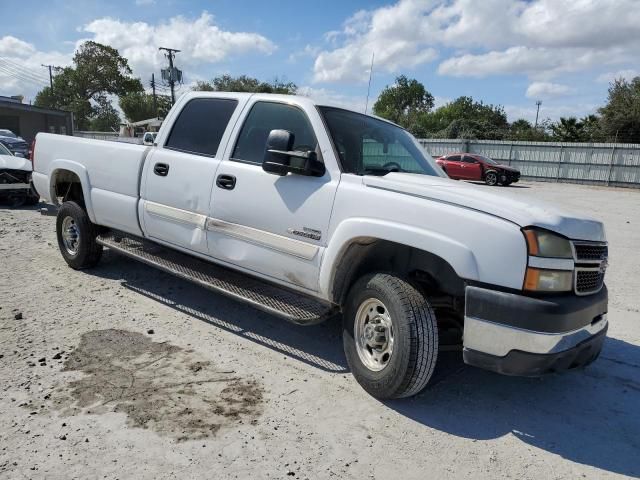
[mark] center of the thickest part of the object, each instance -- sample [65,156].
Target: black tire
[88,252]
[491,178]
[415,337]
[17,201]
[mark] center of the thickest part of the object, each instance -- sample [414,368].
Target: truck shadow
[588,416]
[317,345]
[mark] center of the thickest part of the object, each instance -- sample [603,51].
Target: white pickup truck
[307,211]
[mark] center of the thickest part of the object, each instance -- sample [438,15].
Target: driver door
[272,225]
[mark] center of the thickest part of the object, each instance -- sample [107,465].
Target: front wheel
[390,336]
[77,237]
[491,178]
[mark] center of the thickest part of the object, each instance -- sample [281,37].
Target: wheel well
[365,255]
[68,187]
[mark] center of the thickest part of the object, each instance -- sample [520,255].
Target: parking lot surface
[126,372]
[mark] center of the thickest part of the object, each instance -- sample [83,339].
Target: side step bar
[293,306]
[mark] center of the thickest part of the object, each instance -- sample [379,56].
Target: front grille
[591,251]
[589,280]
[13,176]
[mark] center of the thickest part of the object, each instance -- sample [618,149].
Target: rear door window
[200,125]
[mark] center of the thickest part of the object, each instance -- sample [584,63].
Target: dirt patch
[158,385]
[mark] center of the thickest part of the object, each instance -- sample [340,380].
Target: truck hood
[519,211]
[10,162]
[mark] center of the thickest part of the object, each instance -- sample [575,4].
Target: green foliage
[621,115]
[587,129]
[138,106]
[105,118]
[467,118]
[243,83]
[98,70]
[405,102]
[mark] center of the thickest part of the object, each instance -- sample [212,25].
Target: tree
[105,118]
[243,83]
[522,130]
[98,70]
[621,115]
[466,118]
[139,106]
[404,103]
[567,130]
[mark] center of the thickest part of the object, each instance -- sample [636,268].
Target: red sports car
[470,166]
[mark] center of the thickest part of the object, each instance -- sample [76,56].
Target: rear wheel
[491,178]
[77,237]
[390,336]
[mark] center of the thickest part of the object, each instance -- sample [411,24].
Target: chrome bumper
[498,339]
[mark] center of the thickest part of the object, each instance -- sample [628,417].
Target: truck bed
[109,171]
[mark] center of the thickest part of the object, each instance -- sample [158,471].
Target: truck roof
[299,100]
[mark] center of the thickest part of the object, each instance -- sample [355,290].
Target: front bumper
[517,335]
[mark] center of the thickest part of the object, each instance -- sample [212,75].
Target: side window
[267,116]
[454,158]
[200,125]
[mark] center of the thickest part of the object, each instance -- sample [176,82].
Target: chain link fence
[615,164]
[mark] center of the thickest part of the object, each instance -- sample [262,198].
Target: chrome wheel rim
[492,179]
[70,235]
[373,330]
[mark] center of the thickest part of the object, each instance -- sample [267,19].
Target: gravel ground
[125,372]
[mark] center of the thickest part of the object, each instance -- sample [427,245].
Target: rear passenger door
[270,225]
[179,174]
[473,169]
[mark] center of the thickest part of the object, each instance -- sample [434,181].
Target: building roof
[12,104]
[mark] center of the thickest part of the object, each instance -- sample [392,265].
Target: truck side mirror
[278,155]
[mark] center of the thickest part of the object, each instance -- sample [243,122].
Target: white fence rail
[615,164]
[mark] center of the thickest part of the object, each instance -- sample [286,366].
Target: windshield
[368,146]
[4,150]
[7,133]
[488,160]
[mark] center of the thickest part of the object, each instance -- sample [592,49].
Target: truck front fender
[61,165]
[459,256]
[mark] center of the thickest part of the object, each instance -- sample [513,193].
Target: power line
[21,69]
[21,77]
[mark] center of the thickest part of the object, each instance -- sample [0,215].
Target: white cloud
[538,38]
[21,70]
[544,90]
[394,34]
[330,97]
[144,3]
[627,74]
[200,41]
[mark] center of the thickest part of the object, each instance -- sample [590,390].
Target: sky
[507,52]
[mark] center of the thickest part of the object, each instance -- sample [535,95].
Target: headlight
[546,244]
[551,265]
[539,280]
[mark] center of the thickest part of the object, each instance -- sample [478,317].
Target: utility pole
[538,103]
[366,106]
[153,88]
[50,75]
[172,74]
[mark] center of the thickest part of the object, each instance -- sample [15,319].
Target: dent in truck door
[273,225]
[179,175]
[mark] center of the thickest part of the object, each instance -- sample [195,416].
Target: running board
[293,306]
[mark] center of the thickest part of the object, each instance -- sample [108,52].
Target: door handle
[161,169]
[228,182]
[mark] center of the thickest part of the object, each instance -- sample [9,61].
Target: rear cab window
[200,126]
